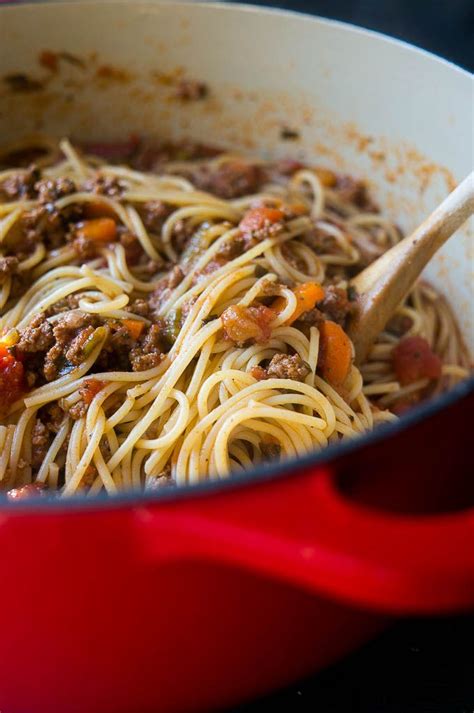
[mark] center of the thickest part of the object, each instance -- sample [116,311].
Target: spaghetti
[184,323]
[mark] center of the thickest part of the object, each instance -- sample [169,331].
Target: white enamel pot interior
[361,102]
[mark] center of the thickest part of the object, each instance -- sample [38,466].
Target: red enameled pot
[195,599]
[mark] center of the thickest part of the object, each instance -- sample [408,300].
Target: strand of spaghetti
[174,372]
[53,475]
[104,307]
[186,286]
[97,403]
[177,297]
[35,258]
[204,304]
[366,411]
[120,413]
[241,455]
[55,296]
[18,437]
[381,388]
[4,295]
[137,462]
[74,448]
[199,369]
[321,403]
[80,166]
[203,396]
[126,468]
[60,258]
[180,198]
[7,208]
[147,178]
[309,177]
[53,450]
[40,395]
[142,235]
[8,222]
[174,430]
[6,449]
[354,384]
[92,446]
[255,411]
[300,437]
[118,257]
[111,287]
[455,370]
[222,212]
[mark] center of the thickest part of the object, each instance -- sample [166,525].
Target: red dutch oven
[193,599]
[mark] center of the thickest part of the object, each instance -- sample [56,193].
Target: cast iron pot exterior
[196,599]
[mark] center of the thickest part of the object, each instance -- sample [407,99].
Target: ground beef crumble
[283,366]
[48,349]
[355,191]
[37,337]
[104,186]
[154,214]
[58,345]
[52,416]
[149,352]
[230,179]
[20,186]
[8,267]
[40,440]
[50,190]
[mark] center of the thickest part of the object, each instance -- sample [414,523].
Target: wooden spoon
[384,284]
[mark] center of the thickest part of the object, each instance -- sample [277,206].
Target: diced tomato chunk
[12,378]
[90,389]
[248,323]
[413,359]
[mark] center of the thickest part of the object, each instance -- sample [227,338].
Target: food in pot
[183,317]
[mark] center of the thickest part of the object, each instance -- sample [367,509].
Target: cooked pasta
[176,320]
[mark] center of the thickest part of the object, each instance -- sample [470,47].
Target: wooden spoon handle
[384,284]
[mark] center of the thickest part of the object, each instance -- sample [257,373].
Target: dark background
[418,666]
[445,27]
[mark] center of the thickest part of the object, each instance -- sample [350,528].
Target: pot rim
[15,5]
[259,475]
[271,471]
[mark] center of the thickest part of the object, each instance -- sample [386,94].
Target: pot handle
[305,531]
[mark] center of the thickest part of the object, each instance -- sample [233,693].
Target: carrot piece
[335,353]
[260,218]
[100,230]
[134,327]
[307,296]
[98,209]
